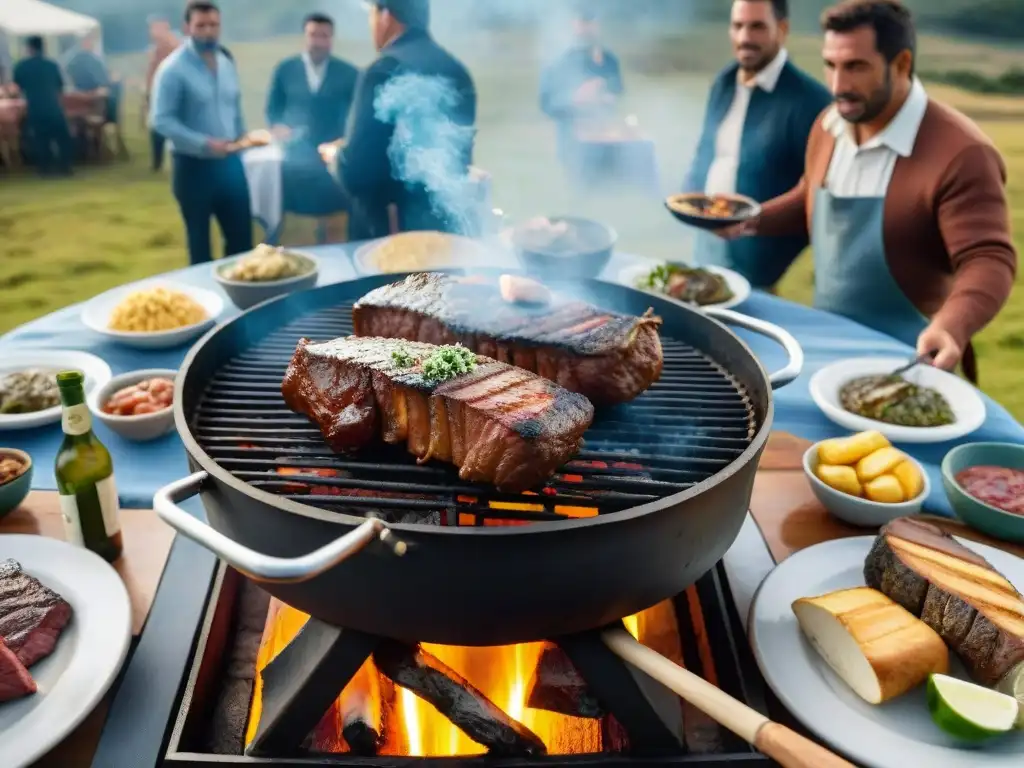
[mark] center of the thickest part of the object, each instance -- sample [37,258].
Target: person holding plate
[904,198]
[760,111]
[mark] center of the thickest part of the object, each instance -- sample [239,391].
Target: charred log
[557,686]
[454,697]
[360,713]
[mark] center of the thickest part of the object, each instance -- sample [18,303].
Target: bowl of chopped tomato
[985,486]
[137,405]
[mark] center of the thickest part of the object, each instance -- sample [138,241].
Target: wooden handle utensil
[785,746]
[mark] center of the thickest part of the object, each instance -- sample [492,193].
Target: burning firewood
[360,711]
[557,686]
[454,697]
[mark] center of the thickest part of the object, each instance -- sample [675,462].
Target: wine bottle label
[104,496]
[76,419]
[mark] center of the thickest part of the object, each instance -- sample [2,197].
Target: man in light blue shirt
[196,106]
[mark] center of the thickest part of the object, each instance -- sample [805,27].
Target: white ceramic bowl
[967,405]
[97,312]
[246,294]
[139,429]
[738,284]
[854,509]
[96,372]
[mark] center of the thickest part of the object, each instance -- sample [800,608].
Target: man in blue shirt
[759,115]
[42,86]
[86,70]
[584,83]
[308,105]
[196,105]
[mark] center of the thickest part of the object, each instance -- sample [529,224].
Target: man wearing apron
[904,198]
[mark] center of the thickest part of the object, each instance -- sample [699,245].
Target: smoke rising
[427,147]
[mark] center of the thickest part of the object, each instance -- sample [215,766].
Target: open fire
[441,701]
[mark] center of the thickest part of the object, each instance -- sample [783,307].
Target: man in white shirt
[308,105]
[760,112]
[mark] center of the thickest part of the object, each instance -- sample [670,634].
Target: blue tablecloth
[143,469]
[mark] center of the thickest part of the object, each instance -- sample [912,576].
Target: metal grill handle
[256,566]
[782,337]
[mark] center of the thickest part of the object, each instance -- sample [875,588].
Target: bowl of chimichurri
[922,405]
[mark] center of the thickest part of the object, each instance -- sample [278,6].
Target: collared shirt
[314,72]
[865,170]
[722,174]
[192,103]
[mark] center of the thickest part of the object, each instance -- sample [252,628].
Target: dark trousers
[308,187]
[50,143]
[213,188]
[156,144]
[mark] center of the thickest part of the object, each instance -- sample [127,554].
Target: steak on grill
[15,680]
[32,616]
[498,424]
[608,357]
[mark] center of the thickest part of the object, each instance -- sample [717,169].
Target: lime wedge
[1013,685]
[968,711]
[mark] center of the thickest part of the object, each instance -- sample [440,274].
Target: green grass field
[64,241]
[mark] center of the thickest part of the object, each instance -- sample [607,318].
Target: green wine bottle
[85,476]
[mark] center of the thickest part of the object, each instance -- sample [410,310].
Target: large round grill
[695,421]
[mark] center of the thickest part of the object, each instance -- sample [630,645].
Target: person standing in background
[382,199]
[197,106]
[163,43]
[85,69]
[759,113]
[42,86]
[904,198]
[308,105]
[584,83]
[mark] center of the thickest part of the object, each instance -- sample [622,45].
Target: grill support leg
[303,681]
[650,713]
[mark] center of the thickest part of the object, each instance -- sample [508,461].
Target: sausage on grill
[608,357]
[498,424]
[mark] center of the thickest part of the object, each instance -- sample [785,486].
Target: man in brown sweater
[904,198]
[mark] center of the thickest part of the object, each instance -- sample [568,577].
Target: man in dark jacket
[308,105]
[42,85]
[759,115]
[584,83]
[410,139]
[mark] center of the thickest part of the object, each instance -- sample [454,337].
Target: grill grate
[695,421]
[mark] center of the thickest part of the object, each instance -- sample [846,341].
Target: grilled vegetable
[894,400]
[850,450]
[974,609]
[692,284]
[876,646]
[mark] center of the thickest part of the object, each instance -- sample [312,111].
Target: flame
[416,728]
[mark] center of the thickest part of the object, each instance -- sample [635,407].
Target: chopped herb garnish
[658,278]
[403,359]
[448,362]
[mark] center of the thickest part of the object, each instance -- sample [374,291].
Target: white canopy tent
[23,18]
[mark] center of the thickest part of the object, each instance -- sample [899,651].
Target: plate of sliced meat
[65,627]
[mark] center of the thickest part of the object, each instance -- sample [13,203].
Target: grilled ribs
[498,424]
[32,616]
[608,357]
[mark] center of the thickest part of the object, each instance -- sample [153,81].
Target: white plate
[897,734]
[89,652]
[968,407]
[738,284]
[97,373]
[97,312]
